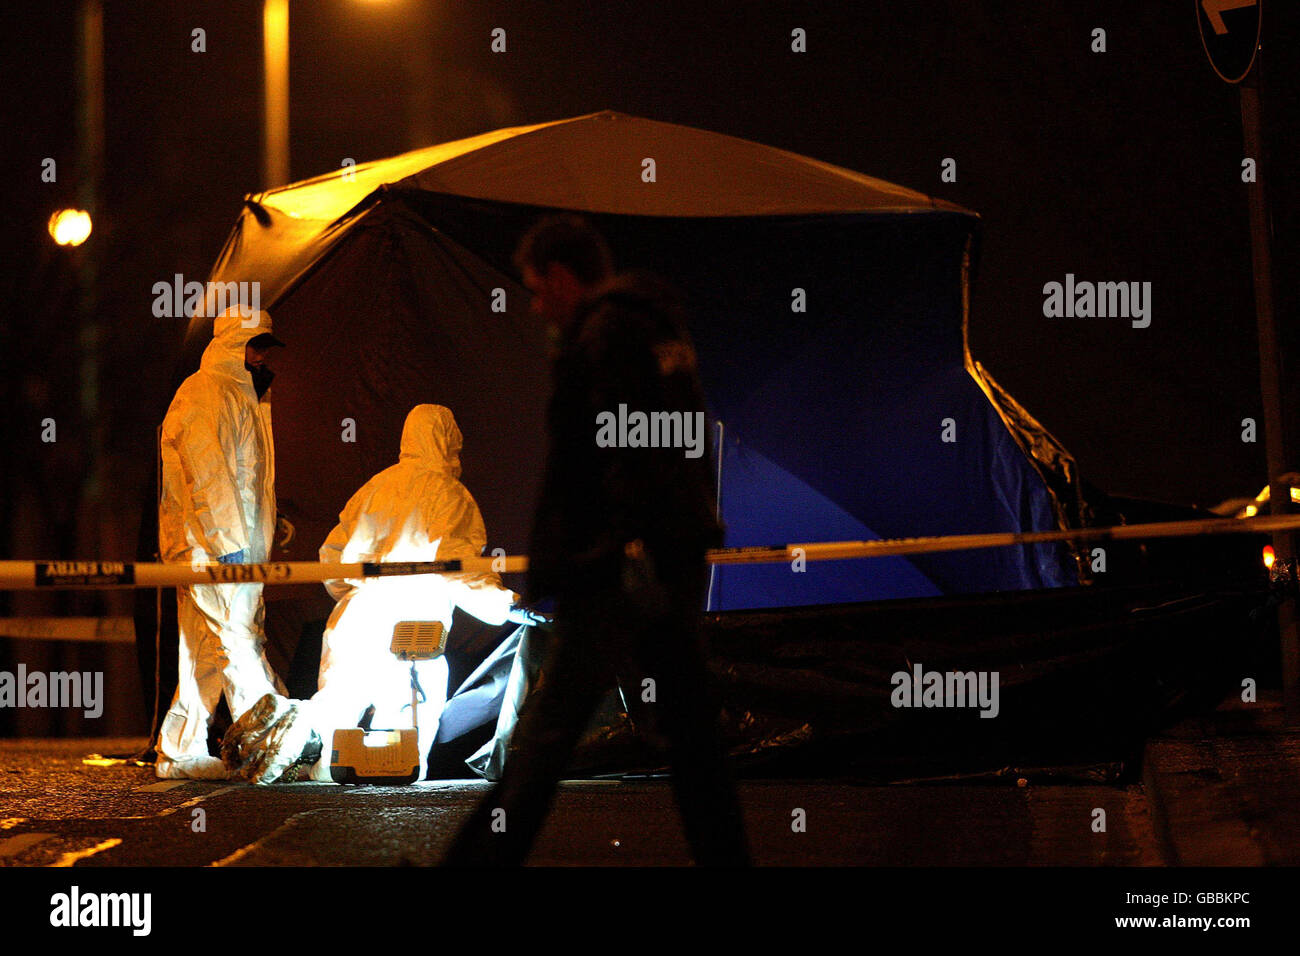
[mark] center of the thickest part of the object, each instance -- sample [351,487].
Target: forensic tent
[829,310]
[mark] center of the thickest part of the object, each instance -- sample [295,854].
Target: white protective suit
[218,498]
[416,510]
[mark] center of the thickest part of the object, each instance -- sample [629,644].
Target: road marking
[70,859]
[195,801]
[17,844]
[239,854]
[98,760]
[243,851]
[162,786]
[192,802]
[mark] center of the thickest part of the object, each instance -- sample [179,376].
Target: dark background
[1121,166]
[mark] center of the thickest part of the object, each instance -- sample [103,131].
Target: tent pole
[1270,378]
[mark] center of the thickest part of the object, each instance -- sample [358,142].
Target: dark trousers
[598,637]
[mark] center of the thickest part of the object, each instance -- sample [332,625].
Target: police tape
[87,630]
[892,547]
[34,575]
[30,575]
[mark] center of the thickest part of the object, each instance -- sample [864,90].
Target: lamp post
[275,57]
[275,51]
[74,229]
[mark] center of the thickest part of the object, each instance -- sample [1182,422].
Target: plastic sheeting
[1084,676]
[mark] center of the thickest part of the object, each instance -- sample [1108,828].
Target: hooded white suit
[218,499]
[416,510]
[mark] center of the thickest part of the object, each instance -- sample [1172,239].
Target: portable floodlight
[390,757]
[418,640]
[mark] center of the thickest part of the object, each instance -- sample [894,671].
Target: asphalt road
[1044,856]
[56,809]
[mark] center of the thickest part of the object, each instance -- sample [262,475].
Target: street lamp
[70,227]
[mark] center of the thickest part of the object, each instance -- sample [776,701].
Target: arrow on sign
[1214,10]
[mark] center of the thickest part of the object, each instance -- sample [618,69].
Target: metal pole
[275,50]
[415,699]
[1270,380]
[90,140]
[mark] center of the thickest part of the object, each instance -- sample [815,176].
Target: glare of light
[70,227]
[381,738]
[1268,556]
[1295,495]
[1251,511]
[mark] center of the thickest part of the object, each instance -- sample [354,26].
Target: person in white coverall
[218,505]
[415,510]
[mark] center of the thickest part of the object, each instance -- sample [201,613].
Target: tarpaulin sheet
[1084,675]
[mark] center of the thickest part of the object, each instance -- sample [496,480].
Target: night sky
[1115,166]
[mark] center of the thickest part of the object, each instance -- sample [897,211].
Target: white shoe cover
[191,768]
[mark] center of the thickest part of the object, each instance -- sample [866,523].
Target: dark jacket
[627,347]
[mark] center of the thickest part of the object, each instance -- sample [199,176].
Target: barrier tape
[35,575]
[30,575]
[94,630]
[889,547]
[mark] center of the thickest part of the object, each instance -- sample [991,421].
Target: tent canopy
[594,164]
[859,415]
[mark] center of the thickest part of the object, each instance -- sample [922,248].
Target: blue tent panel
[763,504]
